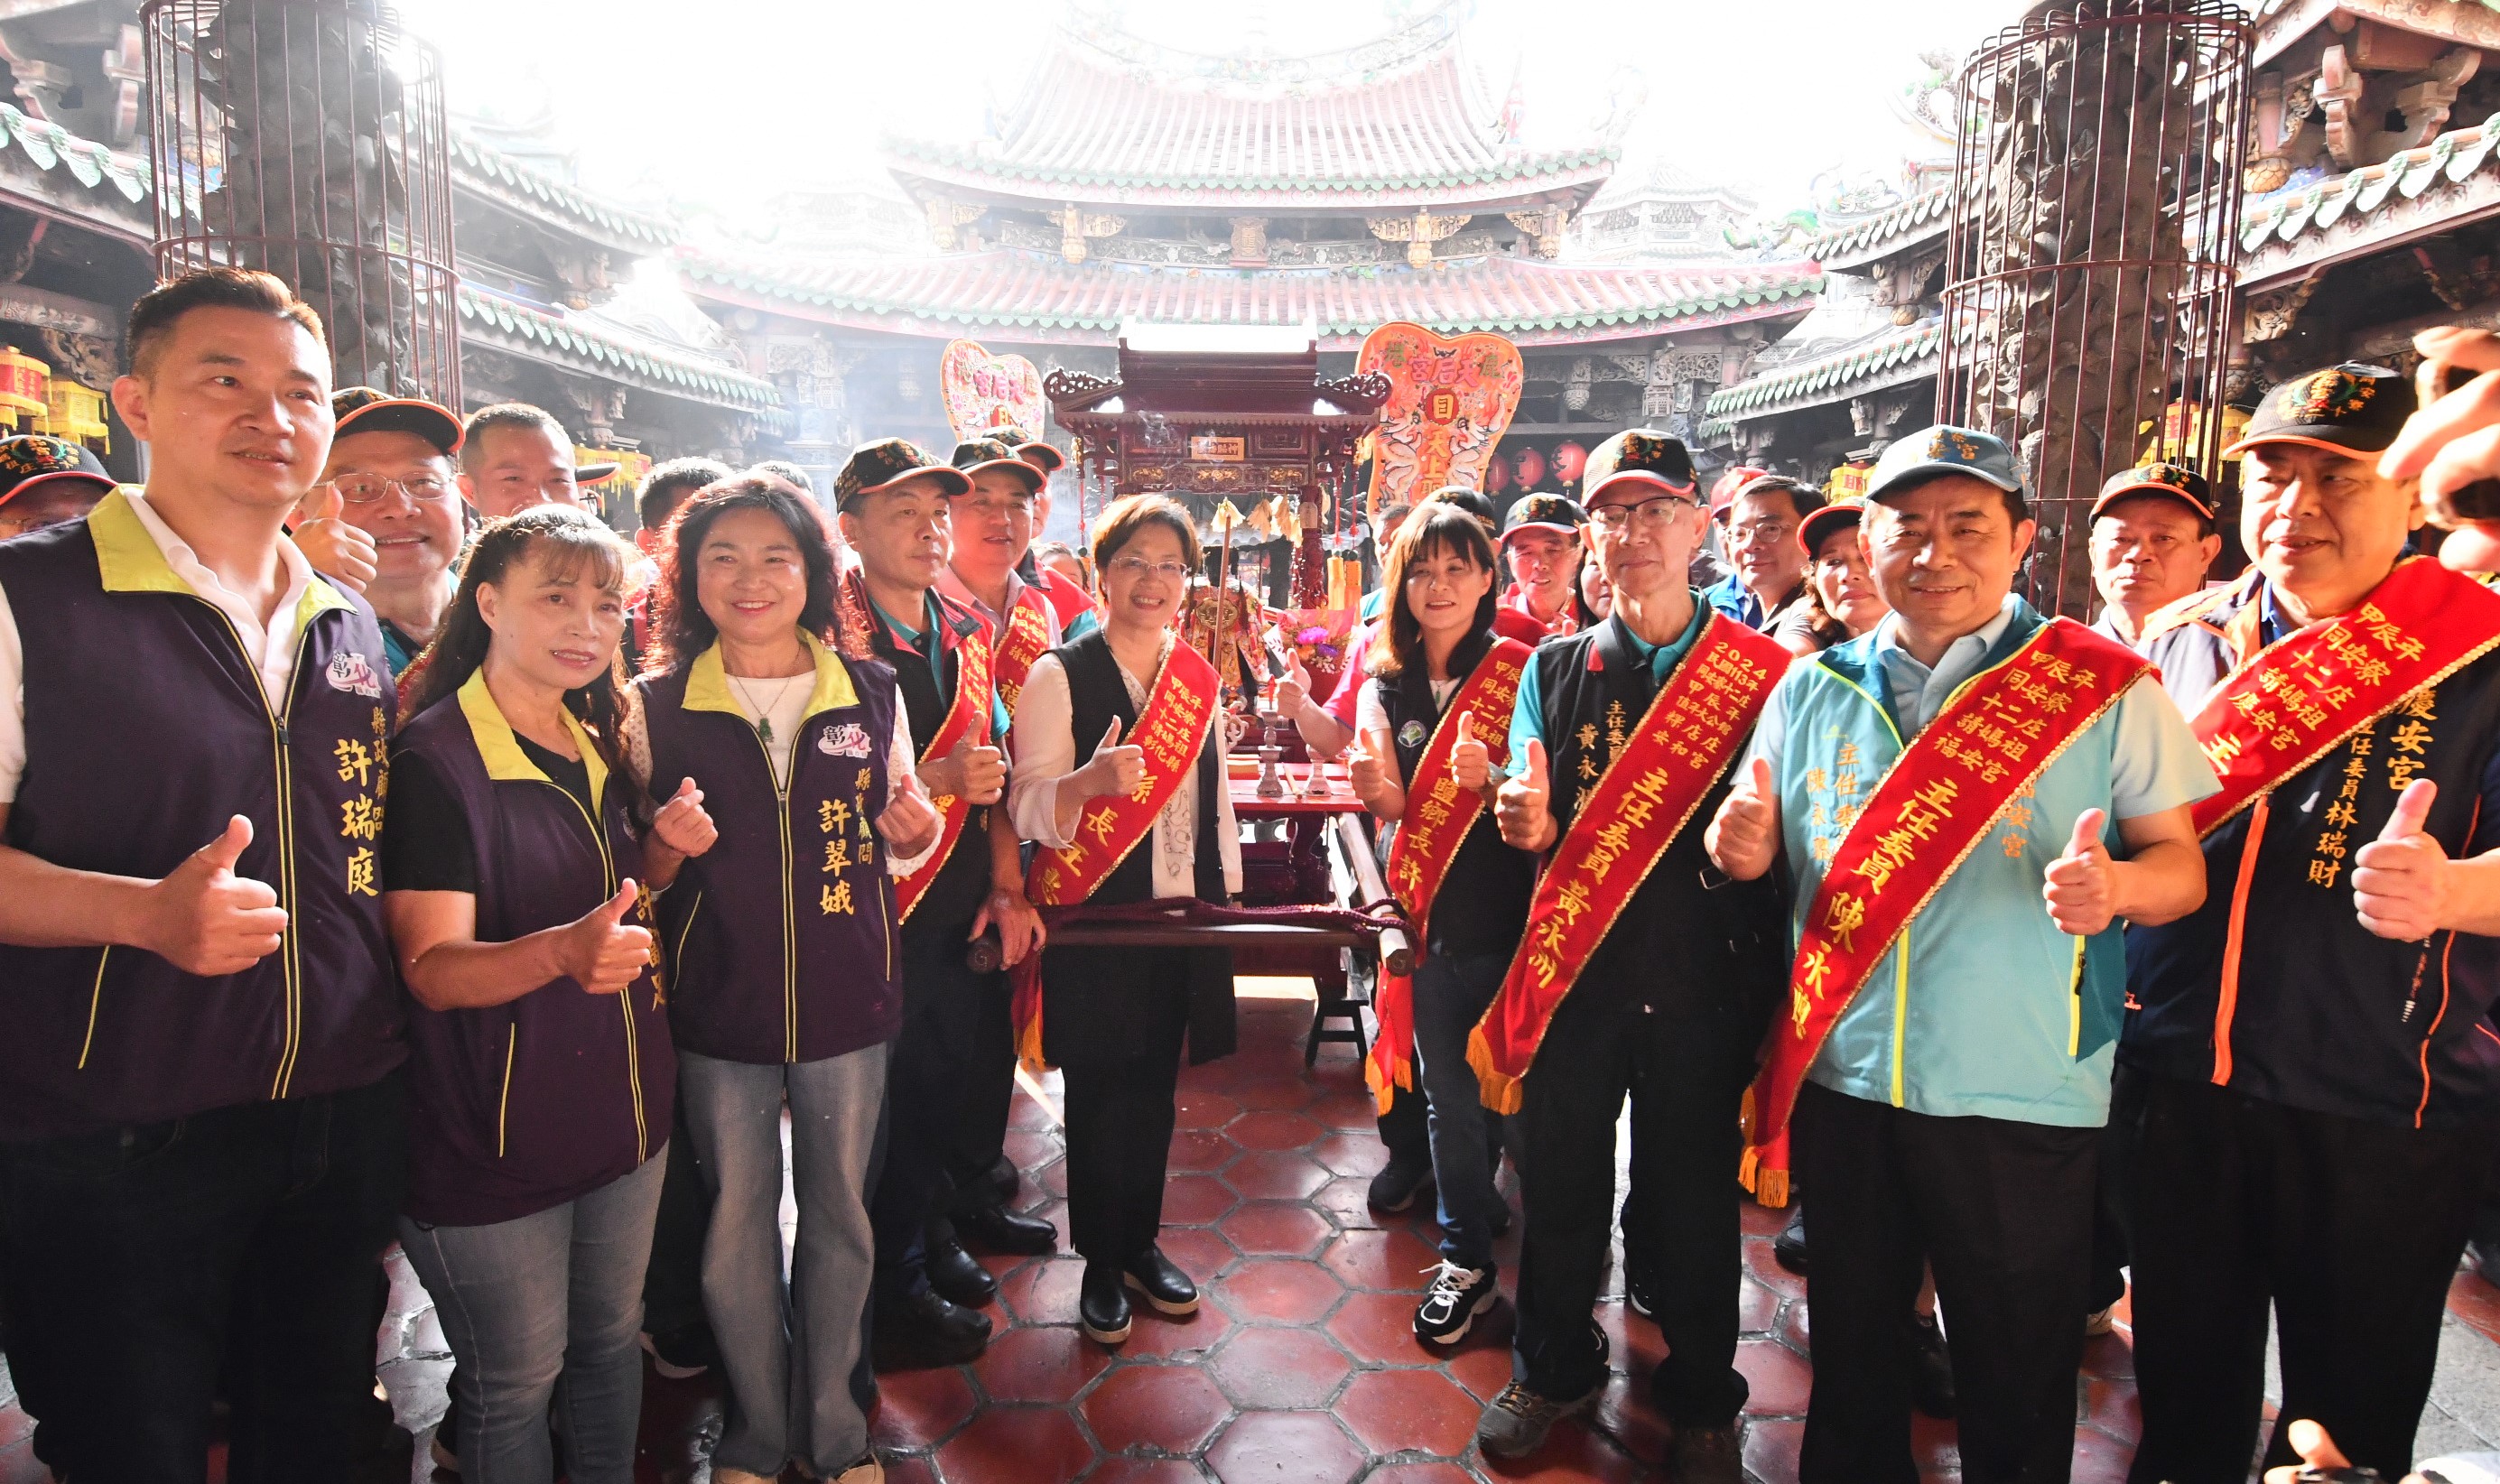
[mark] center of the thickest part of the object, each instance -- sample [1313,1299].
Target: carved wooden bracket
[1544,228]
[947,217]
[1418,232]
[2269,315]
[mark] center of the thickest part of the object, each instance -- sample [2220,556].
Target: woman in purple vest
[780,939]
[542,1076]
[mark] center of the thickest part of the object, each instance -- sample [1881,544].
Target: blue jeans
[546,1309]
[788,1348]
[1451,993]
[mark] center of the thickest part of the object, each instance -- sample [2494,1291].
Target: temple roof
[1853,244]
[1096,133]
[46,164]
[1036,299]
[1885,359]
[550,201]
[2412,193]
[613,352]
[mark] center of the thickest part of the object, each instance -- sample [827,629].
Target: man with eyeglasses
[1640,974]
[384,519]
[1759,527]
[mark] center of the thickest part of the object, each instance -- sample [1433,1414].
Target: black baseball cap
[31,459]
[2178,481]
[2347,409]
[975,454]
[1559,514]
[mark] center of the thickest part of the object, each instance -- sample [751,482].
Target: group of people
[390,851]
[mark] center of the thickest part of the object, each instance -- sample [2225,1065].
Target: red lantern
[1497,477]
[1531,467]
[1568,460]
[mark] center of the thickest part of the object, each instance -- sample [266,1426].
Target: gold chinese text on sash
[969,716]
[2301,697]
[1692,730]
[1172,731]
[1439,813]
[1026,640]
[1993,739]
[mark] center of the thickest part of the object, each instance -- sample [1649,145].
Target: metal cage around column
[2089,270]
[308,138]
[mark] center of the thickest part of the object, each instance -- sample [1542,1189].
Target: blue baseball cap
[1943,449]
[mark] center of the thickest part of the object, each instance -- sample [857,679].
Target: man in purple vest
[201,1147]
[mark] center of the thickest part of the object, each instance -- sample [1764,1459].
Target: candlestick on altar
[1227,518]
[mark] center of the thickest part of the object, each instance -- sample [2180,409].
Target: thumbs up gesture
[334,547]
[910,823]
[1365,772]
[1471,761]
[1744,836]
[209,921]
[975,773]
[1293,689]
[1521,811]
[1114,768]
[2401,882]
[682,824]
[2079,886]
[600,952]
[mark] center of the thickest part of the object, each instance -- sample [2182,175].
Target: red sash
[1027,638]
[2303,696]
[969,716]
[1179,707]
[1439,813]
[1691,732]
[1996,735]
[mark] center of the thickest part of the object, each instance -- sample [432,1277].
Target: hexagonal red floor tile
[1039,1363]
[1758,1308]
[1636,1344]
[1419,1474]
[1275,1095]
[1272,1130]
[1280,1290]
[1573,1455]
[902,1469]
[1285,1448]
[1264,1368]
[1380,1328]
[1195,1200]
[1354,1154]
[1201,1150]
[1780,1377]
[1038,1443]
[1483,1370]
[1168,1408]
[1032,1148]
[1153,1336]
[1623,1413]
[1026,1113]
[916,1408]
[1391,1262]
[1204,1110]
[1275,1229]
[1044,1291]
[1352,1113]
[1771,1448]
[1392,1411]
[1277,1176]
[1347,1201]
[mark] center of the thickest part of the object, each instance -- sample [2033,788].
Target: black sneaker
[1451,1301]
[1165,1286]
[1787,1249]
[1395,1187]
[1103,1304]
[925,1330]
[683,1353]
[1515,1423]
[1640,1289]
[1931,1381]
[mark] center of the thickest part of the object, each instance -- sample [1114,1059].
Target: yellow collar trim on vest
[128,560]
[506,762]
[707,682]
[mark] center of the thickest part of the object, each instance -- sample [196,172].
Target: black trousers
[672,1283]
[2003,1212]
[152,1267]
[2348,1232]
[1686,1080]
[933,1061]
[988,1098]
[1406,1129]
[1120,1115]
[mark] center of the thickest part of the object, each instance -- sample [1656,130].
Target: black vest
[1094,998]
[963,884]
[1691,942]
[2329,1016]
[147,730]
[520,1106]
[782,940]
[1482,905]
